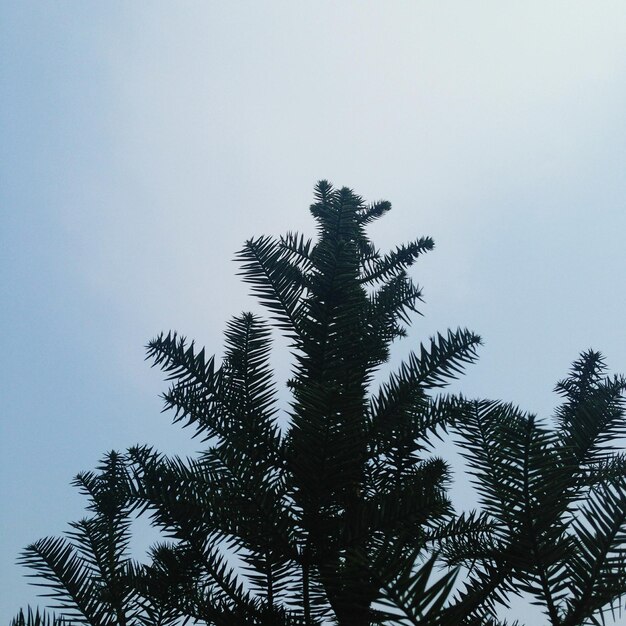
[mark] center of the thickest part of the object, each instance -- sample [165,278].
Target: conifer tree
[553,497]
[293,525]
[315,511]
[333,510]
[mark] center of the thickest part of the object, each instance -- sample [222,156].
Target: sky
[143,142]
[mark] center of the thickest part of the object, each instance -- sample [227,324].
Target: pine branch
[278,283]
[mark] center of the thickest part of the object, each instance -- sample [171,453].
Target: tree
[335,510]
[556,500]
[312,512]
[86,572]
[310,508]
[36,618]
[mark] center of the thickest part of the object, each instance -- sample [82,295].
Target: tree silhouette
[313,512]
[334,510]
[556,499]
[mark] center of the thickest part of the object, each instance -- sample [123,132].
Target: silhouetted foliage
[556,499]
[335,510]
[36,618]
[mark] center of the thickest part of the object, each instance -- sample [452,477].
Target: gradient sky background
[142,142]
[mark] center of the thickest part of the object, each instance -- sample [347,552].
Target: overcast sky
[142,142]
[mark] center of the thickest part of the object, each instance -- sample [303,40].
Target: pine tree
[334,509]
[300,524]
[315,511]
[553,500]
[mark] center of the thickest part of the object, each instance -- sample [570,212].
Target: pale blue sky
[142,142]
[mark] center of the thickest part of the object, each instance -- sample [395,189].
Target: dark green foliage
[310,509]
[85,573]
[555,499]
[36,618]
[335,509]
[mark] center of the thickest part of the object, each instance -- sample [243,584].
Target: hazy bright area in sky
[143,142]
